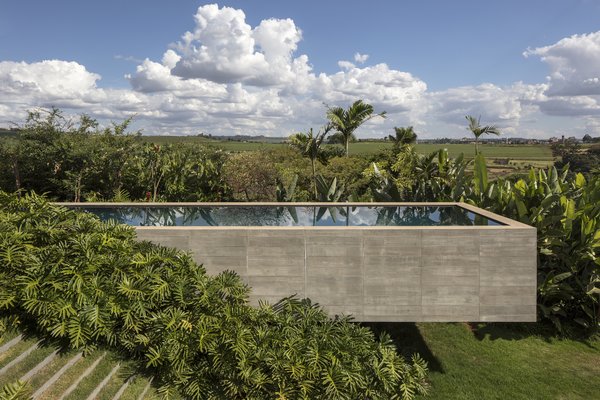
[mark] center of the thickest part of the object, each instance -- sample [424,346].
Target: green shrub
[87,283]
[563,206]
[80,162]
[251,176]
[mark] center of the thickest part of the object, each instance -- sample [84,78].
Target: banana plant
[286,194]
[563,206]
[383,188]
[328,192]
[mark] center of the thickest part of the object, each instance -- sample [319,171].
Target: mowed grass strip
[15,351]
[136,388]
[106,386]
[49,370]
[10,343]
[499,361]
[122,388]
[70,376]
[90,382]
[25,365]
[51,380]
[6,338]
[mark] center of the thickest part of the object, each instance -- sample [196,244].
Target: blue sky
[429,63]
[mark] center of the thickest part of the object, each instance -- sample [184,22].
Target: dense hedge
[88,283]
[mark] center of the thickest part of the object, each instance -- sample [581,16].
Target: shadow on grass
[508,331]
[522,330]
[408,340]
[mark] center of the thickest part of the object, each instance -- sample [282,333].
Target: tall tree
[478,130]
[403,136]
[309,146]
[346,121]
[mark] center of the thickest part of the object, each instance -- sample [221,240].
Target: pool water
[292,216]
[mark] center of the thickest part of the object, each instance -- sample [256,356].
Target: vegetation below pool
[85,284]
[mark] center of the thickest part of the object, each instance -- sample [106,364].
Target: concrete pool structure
[376,273]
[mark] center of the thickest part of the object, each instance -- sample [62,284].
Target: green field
[515,152]
[521,152]
[521,157]
[500,361]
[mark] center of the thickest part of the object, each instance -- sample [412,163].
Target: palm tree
[347,121]
[403,136]
[478,130]
[309,146]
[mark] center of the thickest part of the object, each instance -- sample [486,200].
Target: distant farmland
[537,152]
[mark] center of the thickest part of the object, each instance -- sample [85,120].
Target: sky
[271,67]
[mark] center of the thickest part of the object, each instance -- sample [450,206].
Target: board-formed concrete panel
[378,273]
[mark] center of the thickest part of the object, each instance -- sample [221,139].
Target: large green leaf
[580,180]
[480,174]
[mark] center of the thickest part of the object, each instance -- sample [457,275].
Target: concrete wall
[377,273]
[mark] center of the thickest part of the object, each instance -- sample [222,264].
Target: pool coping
[507,223]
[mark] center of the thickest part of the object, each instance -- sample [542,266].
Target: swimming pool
[377,261]
[295,215]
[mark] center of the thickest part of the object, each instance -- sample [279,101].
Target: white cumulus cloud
[225,76]
[573,84]
[51,78]
[360,58]
[574,64]
[224,48]
[260,73]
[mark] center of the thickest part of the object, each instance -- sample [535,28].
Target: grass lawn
[466,361]
[496,361]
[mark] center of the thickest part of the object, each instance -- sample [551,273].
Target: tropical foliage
[403,136]
[78,161]
[15,391]
[346,121]
[477,130]
[86,283]
[563,206]
[309,146]
[251,176]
